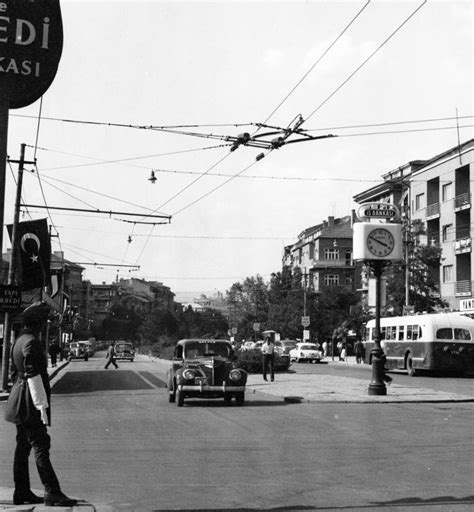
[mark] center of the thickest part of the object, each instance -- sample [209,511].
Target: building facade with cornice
[438,192]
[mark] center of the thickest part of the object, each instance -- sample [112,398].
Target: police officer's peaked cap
[36,314]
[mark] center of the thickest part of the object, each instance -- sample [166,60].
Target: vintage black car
[205,368]
[77,350]
[124,350]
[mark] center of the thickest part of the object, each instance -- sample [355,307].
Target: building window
[447,230]
[447,273]
[447,191]
[311,250]
[331,279]
[300,255]
[331,254]
[419,201]
[348,257]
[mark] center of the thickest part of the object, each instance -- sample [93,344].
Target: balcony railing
[463,245]
[463,288]
[462,202]
[331,263]
[432,210]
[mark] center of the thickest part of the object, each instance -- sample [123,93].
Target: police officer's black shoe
[28,497]
[58,500]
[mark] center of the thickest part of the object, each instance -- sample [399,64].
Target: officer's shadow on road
[197,402]
[422,502]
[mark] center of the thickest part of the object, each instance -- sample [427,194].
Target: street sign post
[305,321]
[256,326]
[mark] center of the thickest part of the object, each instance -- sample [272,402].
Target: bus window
[416,332]
[392,332]
[409,332]
[462,334]
[401,333]
[444,334]
[383,333]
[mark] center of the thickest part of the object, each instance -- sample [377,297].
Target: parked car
[77,350]
[287,345]
[247,345]
[306,352]
[88,346]
[124,350]
[205,368]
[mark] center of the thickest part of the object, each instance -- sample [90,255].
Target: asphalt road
[120,445]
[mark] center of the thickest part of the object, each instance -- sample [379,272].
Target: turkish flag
[34,253]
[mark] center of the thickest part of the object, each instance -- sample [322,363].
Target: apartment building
[437,191]
[324,255]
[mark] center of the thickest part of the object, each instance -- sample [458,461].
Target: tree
[423,265]
[248,303]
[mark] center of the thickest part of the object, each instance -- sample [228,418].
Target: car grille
[219,374]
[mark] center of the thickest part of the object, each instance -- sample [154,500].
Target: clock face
[380,242]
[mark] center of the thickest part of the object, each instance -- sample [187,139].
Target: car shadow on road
[220,403]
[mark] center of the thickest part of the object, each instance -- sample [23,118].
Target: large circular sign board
[31,43]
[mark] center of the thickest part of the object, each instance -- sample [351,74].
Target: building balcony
[464,245]
[338,288]
[463,288]
[318,264]
[432,211]
[462,202]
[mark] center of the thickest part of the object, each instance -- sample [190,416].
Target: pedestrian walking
[54,350]
[111,356]
[268,358]
[359,351]
[325,348]
[28,407]
[343,353]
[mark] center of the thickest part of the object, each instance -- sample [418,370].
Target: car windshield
[123,346]
[202,349]
[288,343]
[309,347]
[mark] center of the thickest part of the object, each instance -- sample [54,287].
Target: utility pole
[3,163]
[12,270]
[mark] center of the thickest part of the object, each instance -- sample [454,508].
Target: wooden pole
[11,273]
[3,167]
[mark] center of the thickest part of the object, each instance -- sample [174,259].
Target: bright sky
[215,65]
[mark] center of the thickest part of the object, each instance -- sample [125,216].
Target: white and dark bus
[440,342]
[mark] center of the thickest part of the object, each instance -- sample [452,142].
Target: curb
[51,374]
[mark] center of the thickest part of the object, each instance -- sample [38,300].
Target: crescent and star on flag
[30,236]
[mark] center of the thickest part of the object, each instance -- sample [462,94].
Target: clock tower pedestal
[377,356]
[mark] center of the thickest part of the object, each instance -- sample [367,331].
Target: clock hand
[379,242]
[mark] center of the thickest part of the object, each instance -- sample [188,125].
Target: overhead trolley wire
[366,60]
[317,61]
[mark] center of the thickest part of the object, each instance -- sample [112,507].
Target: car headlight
[235,375]
[188,375]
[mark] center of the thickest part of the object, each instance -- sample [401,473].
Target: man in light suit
[28,407]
